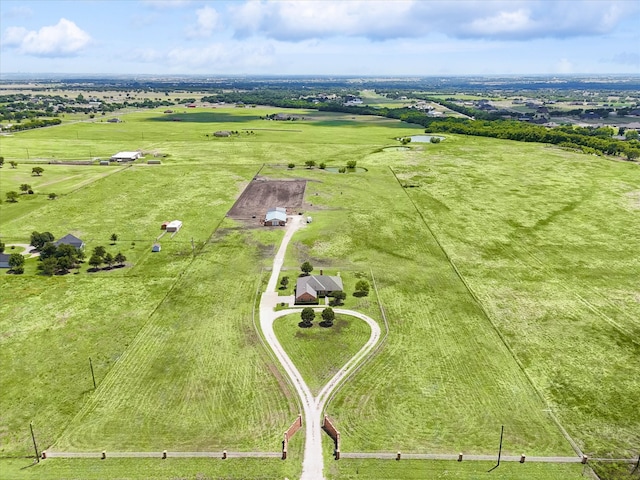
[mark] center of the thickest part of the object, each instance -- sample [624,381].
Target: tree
[48,266]
[434,139]
[633,153]
[53,196]
[338,298]
[16,263]
[291,165]
[284,282]
[322,166]
[631,134]
[108,259]
[2,245]
[328,316]
[310,163]
[114,237]
[39,239]
[37,171]
[307,315]
[13,164]
[12,196]
[306,268]
[351,164]
[120,259]
[47,250]
[1,161]
[100,251]
[95,261]
[406,140]
[362,288]
[25,187]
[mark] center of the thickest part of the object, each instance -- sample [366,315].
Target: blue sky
[348,37]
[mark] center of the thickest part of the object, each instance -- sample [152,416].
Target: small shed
[153,162]
[222,133]
[104,162]
[126,156]
[114,120]
[156,247]
[174,226]
[164,225]
[276,217]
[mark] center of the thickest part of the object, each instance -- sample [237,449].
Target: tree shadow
[305,325]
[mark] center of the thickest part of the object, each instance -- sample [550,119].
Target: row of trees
[308,316]
[100,256]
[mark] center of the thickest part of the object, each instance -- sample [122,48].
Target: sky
[348,37]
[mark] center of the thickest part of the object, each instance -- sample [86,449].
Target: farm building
[126,156]
[156,247]
[174,226]
[310,289]
[164,225]
[70,240]
[4,260]
[114,120]
[222,133]
[276,217]
[154,162]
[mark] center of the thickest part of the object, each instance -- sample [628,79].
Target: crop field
[507,272]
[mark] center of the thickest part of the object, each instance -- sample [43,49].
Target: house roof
[69,240]
[132,155]
[314,283]
[275,215]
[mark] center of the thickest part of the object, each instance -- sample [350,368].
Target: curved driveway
[312,465]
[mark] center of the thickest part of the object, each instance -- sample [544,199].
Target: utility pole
[92,375]
[500,449]
[35,446]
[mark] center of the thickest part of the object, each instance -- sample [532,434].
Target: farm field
[319,352]
[537,312]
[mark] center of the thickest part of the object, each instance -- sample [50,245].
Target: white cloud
[563,66]
[166,3]
[60,40]
[291,20]
[207,21]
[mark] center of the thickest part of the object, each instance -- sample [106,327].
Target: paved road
[313,462]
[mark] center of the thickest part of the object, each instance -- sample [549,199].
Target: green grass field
[319,352]
[539,309]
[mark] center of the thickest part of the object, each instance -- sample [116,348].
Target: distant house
[310,289]
[191,105]
[222,133]
[174,226]
[104,162]
[126,156]
[276,217]
[114,120]
[156,247]
[4,260]
[70,240]
[168,111]
[282,116]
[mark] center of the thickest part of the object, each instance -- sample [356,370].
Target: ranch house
[310,289]
[70,240]
[276,217]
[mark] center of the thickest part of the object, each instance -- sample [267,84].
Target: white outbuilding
[174,226]
[126,156]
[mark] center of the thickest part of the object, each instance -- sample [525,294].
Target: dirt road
[313,407]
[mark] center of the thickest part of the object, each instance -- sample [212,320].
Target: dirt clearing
[262,194]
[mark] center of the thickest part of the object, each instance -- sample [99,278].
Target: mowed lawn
[549,241]
[319,352]
[443,382]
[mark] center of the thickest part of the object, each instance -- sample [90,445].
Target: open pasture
[545,239]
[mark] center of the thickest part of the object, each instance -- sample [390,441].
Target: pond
[349,170]
[424,138]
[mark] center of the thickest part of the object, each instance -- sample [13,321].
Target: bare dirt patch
[262,194]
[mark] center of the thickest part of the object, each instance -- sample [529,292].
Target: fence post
[522,458]
[460,457]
